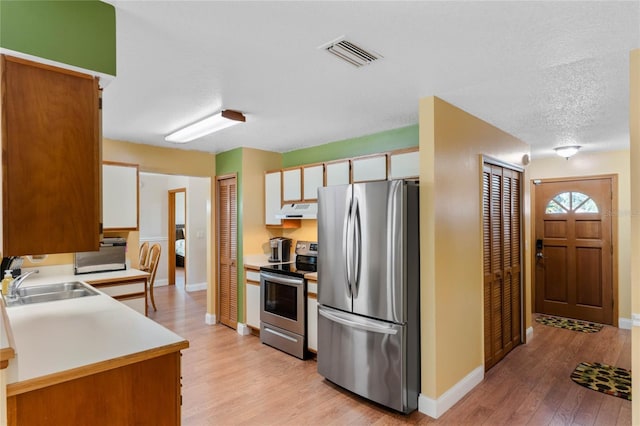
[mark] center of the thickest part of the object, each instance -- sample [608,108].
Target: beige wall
[254,163]
[452,143]
[170,161]
[600,163]
[634,128]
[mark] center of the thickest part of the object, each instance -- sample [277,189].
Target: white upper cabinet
[337,173]
[119,196]
[313,178]
[272,197]
[291,185]
[404,165]
[369,168]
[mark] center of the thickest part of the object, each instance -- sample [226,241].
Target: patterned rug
[569,324]
[603,378]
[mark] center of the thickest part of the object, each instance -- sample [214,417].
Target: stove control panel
[307,248]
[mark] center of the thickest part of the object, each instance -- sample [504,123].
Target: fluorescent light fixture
[567,151]
[219,121]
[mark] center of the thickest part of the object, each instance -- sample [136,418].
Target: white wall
[198,208]
[180,207]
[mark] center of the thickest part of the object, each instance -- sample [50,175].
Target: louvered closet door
[227,237]
[502,261]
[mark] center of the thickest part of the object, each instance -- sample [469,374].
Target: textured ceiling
[548,72]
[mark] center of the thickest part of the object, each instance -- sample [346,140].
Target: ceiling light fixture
[219,121]
[567,151]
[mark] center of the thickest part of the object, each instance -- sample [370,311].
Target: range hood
[298,211]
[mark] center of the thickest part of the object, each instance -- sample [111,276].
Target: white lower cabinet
[252,290]
[312,324]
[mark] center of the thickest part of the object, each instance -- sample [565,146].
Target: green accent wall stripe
[390,140]
[78,33]
[230,162]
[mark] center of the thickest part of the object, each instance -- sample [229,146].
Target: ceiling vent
[350,52]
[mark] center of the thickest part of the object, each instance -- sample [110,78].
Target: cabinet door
[371,168]
[120,196]
[51,157]
[253,305]
[313,178]
[337,173]
[291,185]
[272,198]
[312,324]
[404,165]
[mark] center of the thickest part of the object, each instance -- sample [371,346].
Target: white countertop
[53,337]
[64,273]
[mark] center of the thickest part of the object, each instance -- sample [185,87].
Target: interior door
[502,248]
[227,251]
[574,251]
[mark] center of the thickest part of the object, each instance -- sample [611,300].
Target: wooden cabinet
[369,168]
[120,196]
[337,173]
[312,316]
[272,197]
[110,393]
[404,164]
[130,291]
[312,179]
[50,159]
[291,185]
[252,306]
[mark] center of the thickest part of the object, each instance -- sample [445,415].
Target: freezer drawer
[368,357]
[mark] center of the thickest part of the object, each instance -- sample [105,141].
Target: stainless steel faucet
[17,282]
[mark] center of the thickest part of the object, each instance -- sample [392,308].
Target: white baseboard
[627,323]
[210,319]
[437,407]
[161,282]
[243,329]
[196,287]
[529,335]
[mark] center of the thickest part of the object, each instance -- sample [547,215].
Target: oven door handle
[282,279]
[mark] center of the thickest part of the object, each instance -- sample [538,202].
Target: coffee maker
[280,249]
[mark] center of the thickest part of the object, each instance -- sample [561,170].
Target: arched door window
[576,202]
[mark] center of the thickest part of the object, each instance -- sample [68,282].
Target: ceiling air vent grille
[351,53]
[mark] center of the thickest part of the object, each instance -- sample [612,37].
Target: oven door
[282,302]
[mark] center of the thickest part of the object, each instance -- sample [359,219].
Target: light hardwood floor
[230,379]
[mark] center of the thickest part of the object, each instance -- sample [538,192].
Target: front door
[573,249]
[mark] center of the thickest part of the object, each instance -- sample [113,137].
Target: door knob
[539,255]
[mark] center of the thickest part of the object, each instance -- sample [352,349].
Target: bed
[180,245]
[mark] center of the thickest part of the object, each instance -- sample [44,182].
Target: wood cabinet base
[143,393]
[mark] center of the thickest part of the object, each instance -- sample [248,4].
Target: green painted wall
[228,163]
[389,140]
[80,33]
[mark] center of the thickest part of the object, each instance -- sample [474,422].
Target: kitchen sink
[50,292]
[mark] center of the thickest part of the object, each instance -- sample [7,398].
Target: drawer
[122,289]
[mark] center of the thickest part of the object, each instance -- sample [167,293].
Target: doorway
[574,248]
[227,249]
[177,235]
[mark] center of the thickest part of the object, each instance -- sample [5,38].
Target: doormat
[569,324]
[604,378]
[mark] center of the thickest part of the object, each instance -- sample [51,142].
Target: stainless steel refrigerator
[368,290]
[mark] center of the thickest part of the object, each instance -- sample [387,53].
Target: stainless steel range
[283,301]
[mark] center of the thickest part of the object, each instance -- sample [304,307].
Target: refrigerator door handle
[347,248]
[357,248]
[353,324]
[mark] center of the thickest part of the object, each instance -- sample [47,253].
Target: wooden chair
[143,257]
[154,260]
